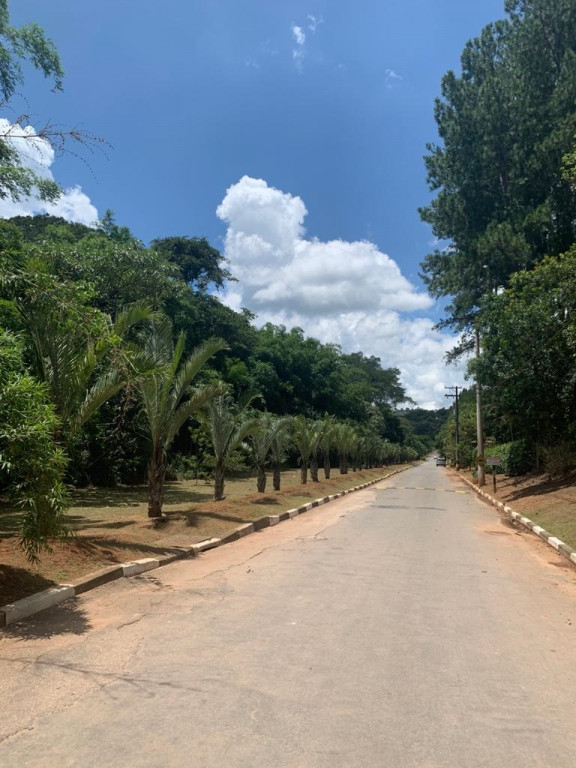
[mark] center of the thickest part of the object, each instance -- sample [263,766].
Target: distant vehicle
[440,461]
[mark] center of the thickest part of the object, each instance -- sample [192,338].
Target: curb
[553,541]
[28,606]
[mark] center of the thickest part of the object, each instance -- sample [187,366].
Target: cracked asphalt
[403,626]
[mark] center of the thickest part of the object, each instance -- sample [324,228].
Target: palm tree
[163,393]
[317,431]
[265,435]
[327,442]
[227,424]
[346,439]
[278,447]
[303,437]
[82,365]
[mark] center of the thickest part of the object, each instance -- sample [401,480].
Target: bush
[517,457]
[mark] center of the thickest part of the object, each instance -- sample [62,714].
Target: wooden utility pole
[479,423]
[457,414]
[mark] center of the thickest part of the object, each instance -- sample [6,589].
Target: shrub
[517,457]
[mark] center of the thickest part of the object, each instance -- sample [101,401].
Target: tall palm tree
[164,398]
[266,431]
[227,424]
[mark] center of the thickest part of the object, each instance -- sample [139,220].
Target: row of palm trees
[82,366]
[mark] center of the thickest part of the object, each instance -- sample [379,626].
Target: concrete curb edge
[28,606]
[553,541]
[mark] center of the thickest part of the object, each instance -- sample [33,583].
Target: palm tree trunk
[304,472]
[327,465]
[261,481]
[219,481]
[343,464]
[276,477]
[314,469]
[156,475]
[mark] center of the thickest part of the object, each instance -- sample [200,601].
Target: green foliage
[199,263]
[19,44]
[505,123]
[528,361]
[31,464]
[517,457]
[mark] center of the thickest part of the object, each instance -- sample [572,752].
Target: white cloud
[37,154]
[299,52]
[348,293]
[299,34]
[392,78]
[314,22]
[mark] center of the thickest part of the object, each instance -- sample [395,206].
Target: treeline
[504,176]
[119,362]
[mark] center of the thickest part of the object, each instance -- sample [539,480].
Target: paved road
[405,626]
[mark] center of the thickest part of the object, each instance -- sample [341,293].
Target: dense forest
[504,178]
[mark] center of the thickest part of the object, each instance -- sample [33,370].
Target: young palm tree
[303,437]
[265,433]
[327,442]
[317,432]
[163,393]
[227,423]
[278,448]
[346,439]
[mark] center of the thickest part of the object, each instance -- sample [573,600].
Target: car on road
[440,461]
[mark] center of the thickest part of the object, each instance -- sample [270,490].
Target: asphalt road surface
[405,626]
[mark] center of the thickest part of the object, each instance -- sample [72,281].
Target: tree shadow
[64,619]
[266,500]
[136,495]
[193,519]
[542,487]
[16,583]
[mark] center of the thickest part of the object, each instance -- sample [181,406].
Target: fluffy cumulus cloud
[349,293]
[37,154]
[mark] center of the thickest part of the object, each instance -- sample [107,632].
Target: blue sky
[328,101]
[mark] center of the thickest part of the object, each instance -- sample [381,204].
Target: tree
[17,44]
[505,123]
[345,441]
[199,263]
[164,398]
[265,437]
[305,438]
[327,442]
[31,463]
[227,424]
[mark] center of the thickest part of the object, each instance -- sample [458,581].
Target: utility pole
[479,424]
[457,413]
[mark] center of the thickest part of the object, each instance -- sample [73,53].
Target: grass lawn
[111,524]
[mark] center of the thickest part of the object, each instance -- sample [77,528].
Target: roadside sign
[493,461]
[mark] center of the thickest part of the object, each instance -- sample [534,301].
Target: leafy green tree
[18,44]
[527,363]
[505,123]
[199,263]
[31,463]
[166,400]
